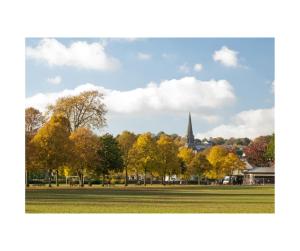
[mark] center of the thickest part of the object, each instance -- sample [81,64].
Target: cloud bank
[176,95]
[79,54]
[251,124]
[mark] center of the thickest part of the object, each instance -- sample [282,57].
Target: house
[259,175]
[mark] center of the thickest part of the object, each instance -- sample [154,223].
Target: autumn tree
[33,121]
[256,151]
[185,156]
[216,157]
[232,162]
[85,145]
[145,154]
[110,156]
[199,166]
[126,140]
[167,157]
[84,110]
[52,145]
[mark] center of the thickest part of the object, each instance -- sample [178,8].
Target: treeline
[62,142]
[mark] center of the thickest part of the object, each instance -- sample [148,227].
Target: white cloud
[143,56]
[198,67]
[55,80]
[176,95]
[184,68]
[79,54]
[251,124]
[226,57]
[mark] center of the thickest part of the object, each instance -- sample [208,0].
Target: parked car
[226,180]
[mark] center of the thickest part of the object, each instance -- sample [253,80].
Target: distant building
[196,145]
[259,175]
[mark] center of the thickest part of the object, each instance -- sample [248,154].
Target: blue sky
[243,105]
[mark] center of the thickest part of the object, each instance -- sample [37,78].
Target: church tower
[190,141]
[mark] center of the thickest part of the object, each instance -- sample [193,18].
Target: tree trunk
[137,178]
[198,179]
[145,177]
[151,181]
[82,181]
[126,177]
[26,178]
[164,179]
[49,178]
[103,177]
[56,178]
[169,178]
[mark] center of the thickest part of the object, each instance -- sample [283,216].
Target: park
[96,149]
[151,199]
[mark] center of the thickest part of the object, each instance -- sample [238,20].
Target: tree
[231,163]
[256,151]
[126,140]
[110,156]
[185,156]
[167,157]
[145,151]
[33,121]
[270,153]
[216,157]
[83,110]
[84,152]
[52,145]
[199,165]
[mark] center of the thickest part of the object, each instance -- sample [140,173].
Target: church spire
[190,135]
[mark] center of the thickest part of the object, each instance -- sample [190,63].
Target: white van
[226,180]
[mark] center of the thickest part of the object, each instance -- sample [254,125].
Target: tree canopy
[83,110]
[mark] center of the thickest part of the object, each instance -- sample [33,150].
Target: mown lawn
[151,199]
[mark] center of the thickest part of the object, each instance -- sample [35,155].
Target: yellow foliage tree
[167,157]
[231,163]
[216,157]
[186,156]
[126,140]
[143,154]
[84,152]
[52,145]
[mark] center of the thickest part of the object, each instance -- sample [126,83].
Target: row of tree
[62,141]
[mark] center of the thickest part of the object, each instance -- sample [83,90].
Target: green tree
[126,140]
[85,145]
[200,166]
[83,110]
[270,153]
[110,156]
[52,145]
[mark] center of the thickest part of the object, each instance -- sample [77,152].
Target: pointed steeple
[190,135]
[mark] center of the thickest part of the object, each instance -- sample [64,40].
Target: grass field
[154,199]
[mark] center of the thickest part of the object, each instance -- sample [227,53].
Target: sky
[151,84]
